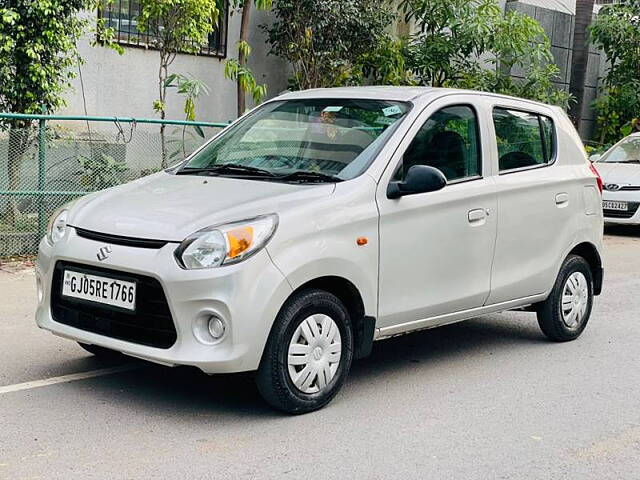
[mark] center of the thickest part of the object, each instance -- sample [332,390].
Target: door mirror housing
[419,179]
[595,157]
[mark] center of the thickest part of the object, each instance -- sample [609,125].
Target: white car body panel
[416,280]
[141,208]
[424,263]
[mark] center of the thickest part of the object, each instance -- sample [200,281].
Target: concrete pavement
[488,398]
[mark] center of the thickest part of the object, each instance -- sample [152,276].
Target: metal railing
[47,160]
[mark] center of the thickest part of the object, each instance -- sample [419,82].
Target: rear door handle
[562,199]
[477,216]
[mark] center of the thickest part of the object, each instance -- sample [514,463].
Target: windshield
[627,151]
[301,140]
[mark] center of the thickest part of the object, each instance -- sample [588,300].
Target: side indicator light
[361,241]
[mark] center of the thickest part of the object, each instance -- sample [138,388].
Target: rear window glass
[524,139]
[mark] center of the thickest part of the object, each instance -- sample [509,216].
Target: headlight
[57,225]
[226,244]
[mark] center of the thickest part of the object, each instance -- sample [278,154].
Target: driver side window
[448,141]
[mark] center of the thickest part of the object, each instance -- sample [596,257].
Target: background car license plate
[110,291]
[610,205]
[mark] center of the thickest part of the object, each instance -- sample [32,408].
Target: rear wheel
[100,352]
[308,354]
[564,315]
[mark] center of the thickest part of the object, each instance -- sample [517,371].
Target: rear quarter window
[525,139]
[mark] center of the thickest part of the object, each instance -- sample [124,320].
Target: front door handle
[477,216]
[562,199]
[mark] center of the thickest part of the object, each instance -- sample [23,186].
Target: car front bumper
[246,296]
[630,217]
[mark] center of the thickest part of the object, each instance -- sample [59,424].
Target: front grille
[151,324]
[632,209]
[120,240]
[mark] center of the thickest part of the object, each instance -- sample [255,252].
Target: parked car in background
[324,220]
[620,170]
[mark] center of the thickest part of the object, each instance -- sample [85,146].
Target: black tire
[550,315]
[273,379]
[100,352]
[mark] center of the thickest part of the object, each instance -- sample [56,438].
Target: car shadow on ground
[622,230]
[185,390]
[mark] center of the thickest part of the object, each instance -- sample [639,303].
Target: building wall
[127,85]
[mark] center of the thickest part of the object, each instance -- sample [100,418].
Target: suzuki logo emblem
[612,186]
[104,252]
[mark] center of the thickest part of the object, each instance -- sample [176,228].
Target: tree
[191,89]
[473,44]
[580,58]
[37,48]
[325,40]
[237,69]
[616,31]
[175,26]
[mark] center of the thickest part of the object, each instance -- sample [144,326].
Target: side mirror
[595,157]
[419,179]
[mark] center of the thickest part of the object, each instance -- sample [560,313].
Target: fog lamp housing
[210,328]
[216,327]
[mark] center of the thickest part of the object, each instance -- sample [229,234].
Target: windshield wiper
[227,168]
[307,176]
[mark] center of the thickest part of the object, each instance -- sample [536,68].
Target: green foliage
[105,36]
[37,53]
[237,70]
[597,148]
[386,64]
[101,171]
[175,26]
[37,50]
[178,25]
[459,43]
[325,40]
[616,30]
[191,88]
[24,224]
[183,141]
[473,44]
[244,76]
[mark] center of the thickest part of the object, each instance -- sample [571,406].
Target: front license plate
[611,205]
[92,288]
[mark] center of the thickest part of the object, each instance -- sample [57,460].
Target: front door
[436,248]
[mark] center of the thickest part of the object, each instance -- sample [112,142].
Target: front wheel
[308,354]
[564,315]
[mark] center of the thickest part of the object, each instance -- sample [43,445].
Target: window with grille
[122,15]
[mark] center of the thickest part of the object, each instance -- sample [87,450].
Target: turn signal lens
[239,240]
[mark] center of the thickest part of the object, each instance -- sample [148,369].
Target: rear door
[536,201]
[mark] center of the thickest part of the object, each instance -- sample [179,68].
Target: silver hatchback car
[324,220]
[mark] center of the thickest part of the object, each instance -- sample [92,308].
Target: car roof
[388,92]
[382,92]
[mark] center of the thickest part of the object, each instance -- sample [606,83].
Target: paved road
[488,398]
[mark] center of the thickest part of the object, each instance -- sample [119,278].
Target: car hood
[171,207]
[619,173]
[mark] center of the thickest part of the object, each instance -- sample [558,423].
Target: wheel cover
[314,353]
[575,300]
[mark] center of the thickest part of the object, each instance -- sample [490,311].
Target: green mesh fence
[47,161]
